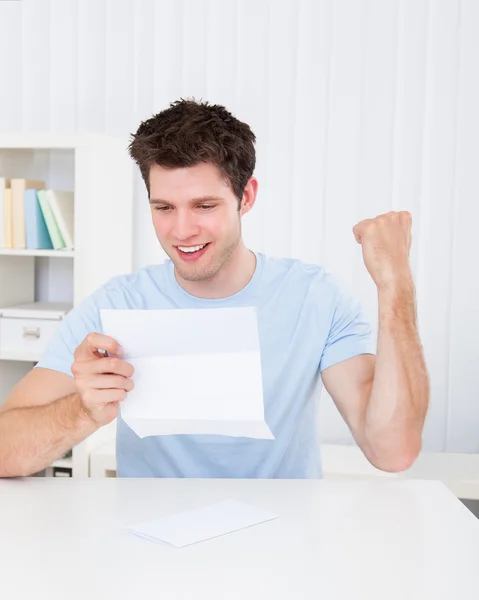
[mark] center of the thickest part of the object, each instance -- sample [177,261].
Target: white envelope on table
[203,523]
[196,371]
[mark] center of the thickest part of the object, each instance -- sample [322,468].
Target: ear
[249,196]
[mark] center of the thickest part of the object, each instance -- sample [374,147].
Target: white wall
[360,107]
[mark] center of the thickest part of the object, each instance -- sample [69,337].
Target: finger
[107,382]
[406,215]
[110,364]
[96,398]
[95,341]
[359,228]
[357,233]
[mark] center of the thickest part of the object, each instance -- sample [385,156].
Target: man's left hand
[386,241]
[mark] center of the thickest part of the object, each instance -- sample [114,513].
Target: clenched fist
[386,241]
[102,381]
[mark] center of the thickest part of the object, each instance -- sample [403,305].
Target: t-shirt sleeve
[74,328]
[350,333]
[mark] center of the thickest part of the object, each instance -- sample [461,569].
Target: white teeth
[191,248]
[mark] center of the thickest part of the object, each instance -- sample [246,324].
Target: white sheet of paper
[199,524]
[197,371]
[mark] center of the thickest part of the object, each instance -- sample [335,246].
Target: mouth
[191,253]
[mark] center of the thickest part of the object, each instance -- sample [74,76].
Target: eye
[162,208]
[206,206]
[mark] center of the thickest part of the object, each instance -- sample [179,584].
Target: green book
[52,226]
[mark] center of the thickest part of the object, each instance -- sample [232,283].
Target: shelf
[66,161]
[47,253]
[37,310]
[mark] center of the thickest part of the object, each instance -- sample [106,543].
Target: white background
[359,106]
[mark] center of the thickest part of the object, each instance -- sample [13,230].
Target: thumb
[97,345]
[357,233]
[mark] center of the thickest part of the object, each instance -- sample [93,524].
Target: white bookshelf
[40,253]
[99,171]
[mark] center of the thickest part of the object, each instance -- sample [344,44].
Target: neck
[232,277]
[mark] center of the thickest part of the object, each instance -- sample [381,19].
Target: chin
[195,274]
[206,267]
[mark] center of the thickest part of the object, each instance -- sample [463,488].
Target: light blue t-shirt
[306,322]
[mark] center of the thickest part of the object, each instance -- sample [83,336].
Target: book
[8,221]
[52,226]
[4,185]
[36,232]
[18,186]
[62,206]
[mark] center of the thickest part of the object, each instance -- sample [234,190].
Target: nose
[185,225]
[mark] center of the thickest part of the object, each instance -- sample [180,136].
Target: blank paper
[199,524]
[197,371]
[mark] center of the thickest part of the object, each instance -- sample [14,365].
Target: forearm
[399,398]
[31,438]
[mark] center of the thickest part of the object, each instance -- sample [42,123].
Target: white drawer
[26,336]
[26,330]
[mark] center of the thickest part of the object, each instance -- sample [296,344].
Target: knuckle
[384,220]
[75,369]
[113,364]
[90,338]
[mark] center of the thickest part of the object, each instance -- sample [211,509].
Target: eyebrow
[192,201]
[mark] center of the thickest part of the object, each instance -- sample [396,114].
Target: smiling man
[197,161]
[199,227]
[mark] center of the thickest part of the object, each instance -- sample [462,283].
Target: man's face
[196,218]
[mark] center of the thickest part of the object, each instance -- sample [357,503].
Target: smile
[191,253]
[191,248]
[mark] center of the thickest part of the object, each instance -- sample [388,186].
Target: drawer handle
[31,332]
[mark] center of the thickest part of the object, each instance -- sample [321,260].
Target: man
[197,162]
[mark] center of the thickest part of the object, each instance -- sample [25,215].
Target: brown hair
[190,132]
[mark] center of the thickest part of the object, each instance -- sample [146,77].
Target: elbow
[396,464]
[398,461]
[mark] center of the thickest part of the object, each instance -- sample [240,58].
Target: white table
[380,540]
